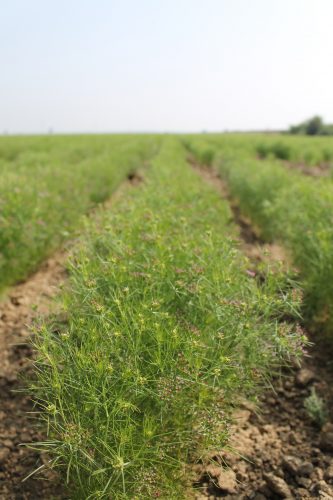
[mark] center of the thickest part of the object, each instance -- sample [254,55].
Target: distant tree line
[313,126]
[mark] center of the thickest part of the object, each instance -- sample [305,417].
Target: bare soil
[23,304]
[278,450]
[321,170]
[250,241]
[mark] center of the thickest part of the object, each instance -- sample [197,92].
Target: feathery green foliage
[165,332]
[286,206]
[316,408]
[47,183]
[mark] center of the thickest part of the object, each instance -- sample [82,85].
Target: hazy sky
[157,65]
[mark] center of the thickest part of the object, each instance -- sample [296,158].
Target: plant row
[306,151]
[289,207]
[47,183]
[165,332]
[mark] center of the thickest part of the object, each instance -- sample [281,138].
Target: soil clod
[304,377]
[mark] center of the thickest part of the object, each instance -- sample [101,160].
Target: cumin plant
[287,207]
[47,184]
[165,332]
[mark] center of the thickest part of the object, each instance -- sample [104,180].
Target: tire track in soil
[280,453]
[19,310]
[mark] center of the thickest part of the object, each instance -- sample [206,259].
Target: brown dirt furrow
[278,450]
[251,243]
[323,170]
[22,305]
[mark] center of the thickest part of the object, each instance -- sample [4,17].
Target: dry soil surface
[23,304]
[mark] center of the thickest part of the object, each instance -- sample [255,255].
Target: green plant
[165,331]
[279,150]
[48,183]
[207,156]
[316,408]
[287,207]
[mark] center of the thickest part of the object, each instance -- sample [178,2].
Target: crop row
[285,206]
[165,332]
[311,152]
[47,183]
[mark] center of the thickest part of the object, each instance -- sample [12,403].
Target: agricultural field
[47,183]
[284,205]
[166,320]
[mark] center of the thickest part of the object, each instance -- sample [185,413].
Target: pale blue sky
[164,65]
